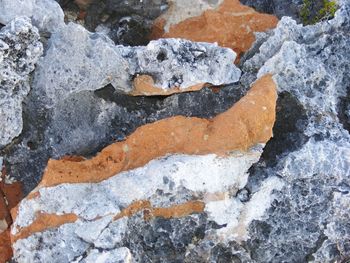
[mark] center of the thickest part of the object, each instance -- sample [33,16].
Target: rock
[236,23]
[308,221]
[20,49]
[280,9]
[10,195]
[127,22]
[163,176]
[172,65]
[46,15]
[303,11]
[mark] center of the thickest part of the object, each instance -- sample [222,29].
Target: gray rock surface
[77,60]
[308,221]
[279,8]
[45,14]
[20,49]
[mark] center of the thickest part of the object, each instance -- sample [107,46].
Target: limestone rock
[20,49]
[174,65]
[45,14]
[171,172]
[227,22]
[310,64]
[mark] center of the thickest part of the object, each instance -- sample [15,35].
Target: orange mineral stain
[244,125]
[10,195]
[231,25]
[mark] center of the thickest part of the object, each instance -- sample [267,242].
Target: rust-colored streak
[5,246]
[244,125]
[180,210]
[174,211]
[43,222]
[231,25]
[144,85]
[10,195]
[134,208]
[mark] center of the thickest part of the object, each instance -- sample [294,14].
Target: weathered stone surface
[308,222]
[45,14]
[228,23]
[280,9]
[308,159]
[193,179]
[175,65]
[236,129]
[20,49]
[303,11]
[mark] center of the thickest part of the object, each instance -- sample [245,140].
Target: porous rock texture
[179,170]
[45,14]
[293,206]
[200,21]
[308,220]
[78,60]
[20,49]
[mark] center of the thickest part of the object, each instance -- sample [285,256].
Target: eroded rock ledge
[176,170]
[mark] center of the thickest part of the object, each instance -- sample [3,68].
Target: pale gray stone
[77,60]
[46,15]
[20,49]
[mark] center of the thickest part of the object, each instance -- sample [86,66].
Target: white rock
[20,49]
[47,15]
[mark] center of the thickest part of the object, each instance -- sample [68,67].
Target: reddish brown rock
[10,195]
[231,25]
[246,124]
[224,143]
[44,222]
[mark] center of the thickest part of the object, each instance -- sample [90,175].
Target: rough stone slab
[78,60]
[45,14]
[20,49]
[310,65]
[228,23]
[181,182]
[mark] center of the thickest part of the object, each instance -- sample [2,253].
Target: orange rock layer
[47,221]
[231,25]
[175,211]
[246,124]
[10,195]
[43,222]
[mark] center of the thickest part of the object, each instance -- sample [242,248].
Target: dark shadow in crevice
[344,110]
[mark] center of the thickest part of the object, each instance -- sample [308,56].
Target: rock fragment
[10,195]
[227,22]
[176,170]
[310,64]
[44,14]
[20,49]
[172,65]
